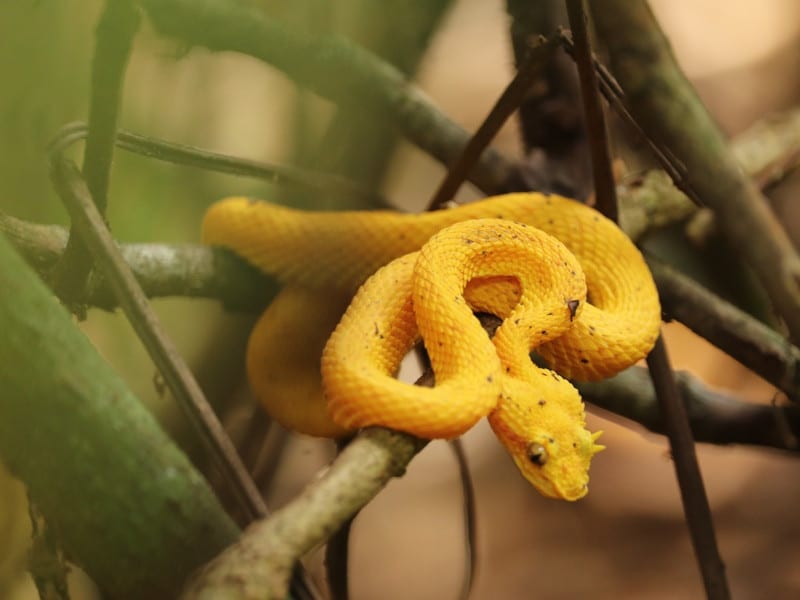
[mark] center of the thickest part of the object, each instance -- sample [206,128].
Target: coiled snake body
[566,282]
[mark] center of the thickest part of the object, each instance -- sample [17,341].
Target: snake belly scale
[566,282]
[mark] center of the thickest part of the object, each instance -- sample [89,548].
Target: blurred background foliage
[627,540]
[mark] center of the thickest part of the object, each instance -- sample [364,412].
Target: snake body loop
[528,258]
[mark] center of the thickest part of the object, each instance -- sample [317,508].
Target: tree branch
[666,105]
[690,481]
[715,417]
[95,461]
[114,37]
[603,177]
[760,348]
[91,227]
[332,67]
[163,270]
[258,566]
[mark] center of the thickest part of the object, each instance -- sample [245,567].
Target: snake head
[546,436]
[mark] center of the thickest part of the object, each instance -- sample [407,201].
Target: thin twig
[114,37]
[88,221]
[211,161]
[695,502]
[469,513]
[506,104]
[693,494]
[94,233]
[604,185]
[615,96]
[337,559]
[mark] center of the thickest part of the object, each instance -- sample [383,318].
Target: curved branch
[163,270]
[332,67]
[259,565]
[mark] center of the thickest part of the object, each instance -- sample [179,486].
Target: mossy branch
[666,106]
[126,503]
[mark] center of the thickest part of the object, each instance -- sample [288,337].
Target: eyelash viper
[566,280]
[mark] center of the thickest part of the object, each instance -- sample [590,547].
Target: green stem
[126,503]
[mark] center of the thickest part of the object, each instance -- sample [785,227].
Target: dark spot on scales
[542,402]
[573,305]
[585,361]
[489,379]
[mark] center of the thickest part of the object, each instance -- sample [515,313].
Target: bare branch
[760,348]
[687,470]
[259,564]
[506,105]
[163,270]
[715,417]
[603,176]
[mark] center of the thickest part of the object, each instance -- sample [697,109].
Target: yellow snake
[567,282]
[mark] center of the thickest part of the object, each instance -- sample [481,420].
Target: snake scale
[565,280]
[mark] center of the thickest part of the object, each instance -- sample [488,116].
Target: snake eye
[537,454]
